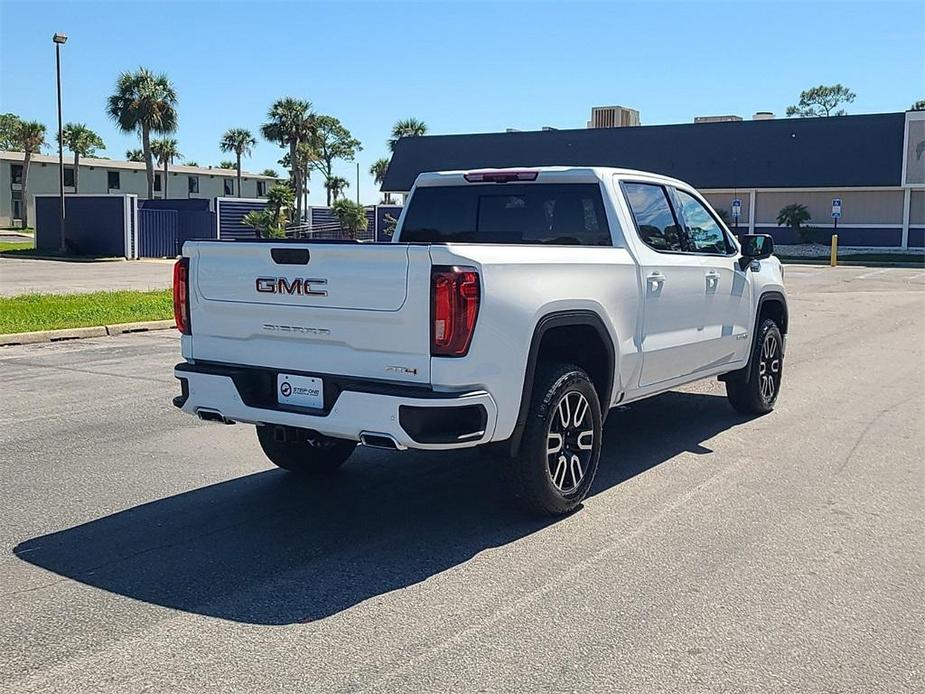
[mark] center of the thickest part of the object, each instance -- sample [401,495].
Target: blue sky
[461,67]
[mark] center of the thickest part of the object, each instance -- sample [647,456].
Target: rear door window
[564,214]
[654,218]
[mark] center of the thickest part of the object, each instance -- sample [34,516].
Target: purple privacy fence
[164,225]
[228,215]
[379,227]
[386,219]
[98,225]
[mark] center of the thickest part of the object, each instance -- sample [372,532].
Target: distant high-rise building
[716,119]
[613,117]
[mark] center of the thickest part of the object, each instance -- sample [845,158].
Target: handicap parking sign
[836,208]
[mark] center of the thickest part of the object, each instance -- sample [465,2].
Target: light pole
[59,40]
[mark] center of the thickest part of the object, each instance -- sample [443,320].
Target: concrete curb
[63,259]
[80,333]
[141,327]
[851,263]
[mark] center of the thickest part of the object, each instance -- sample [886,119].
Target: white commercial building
[111,176]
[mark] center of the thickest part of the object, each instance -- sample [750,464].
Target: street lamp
[59,40]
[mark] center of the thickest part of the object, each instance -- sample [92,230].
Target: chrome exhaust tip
[208,415]
[377,440]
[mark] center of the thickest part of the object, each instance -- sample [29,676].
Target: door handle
[656,280]
[712,278]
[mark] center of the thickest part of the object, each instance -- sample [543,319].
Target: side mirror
[755,247]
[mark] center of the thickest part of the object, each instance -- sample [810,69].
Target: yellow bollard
[833,261]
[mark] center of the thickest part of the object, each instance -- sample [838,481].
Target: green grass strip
[30,312]
[24,245]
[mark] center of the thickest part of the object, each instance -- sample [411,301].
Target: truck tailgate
[352,309]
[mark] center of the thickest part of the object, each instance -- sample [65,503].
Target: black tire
[301,451]
[754,389]
[537,476]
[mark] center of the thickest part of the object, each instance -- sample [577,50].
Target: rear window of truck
[561,214]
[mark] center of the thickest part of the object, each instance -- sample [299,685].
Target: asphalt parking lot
[146,551]
[23,276]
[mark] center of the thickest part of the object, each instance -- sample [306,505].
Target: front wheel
[561,444]
[754,389]
[301,451]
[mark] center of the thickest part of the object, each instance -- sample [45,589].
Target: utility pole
[59,40]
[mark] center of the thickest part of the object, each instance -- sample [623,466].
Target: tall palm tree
[290,123]
[241,142]
[336,186]
[378,171]
[30,135]
[135,155]
[144,102]
[83,142]
[409,127]
[165,149]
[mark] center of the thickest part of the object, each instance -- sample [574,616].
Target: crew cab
[512,308]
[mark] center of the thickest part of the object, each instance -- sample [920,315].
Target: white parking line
[868,275]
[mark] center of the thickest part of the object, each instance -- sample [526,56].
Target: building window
[261,188]
[193,185]
[112,180]
[16,198]
[157,183]
[69,176]
[229,186]
[16,174]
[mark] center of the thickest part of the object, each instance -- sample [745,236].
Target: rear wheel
[754,389]
[561,444]
[302,451]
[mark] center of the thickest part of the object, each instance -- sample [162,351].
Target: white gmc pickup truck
[514,307]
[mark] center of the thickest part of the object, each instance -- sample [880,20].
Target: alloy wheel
[569,442]
[769,366]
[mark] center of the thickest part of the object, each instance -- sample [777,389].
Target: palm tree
[135,154]
[795,216]
[290,123]
[409,127]
[83,142]
[30,135]
[270,222]
[269,172]
[144,102]
[166,152]
[336,186]
[378,171]
[241,142]
[226,164]
[351,215]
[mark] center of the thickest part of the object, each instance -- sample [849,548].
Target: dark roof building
[869,161]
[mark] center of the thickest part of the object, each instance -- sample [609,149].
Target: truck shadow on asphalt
[268,549]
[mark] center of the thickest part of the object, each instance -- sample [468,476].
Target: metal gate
[158,233]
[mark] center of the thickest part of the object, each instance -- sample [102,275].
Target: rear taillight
[181,295]
[454,309]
